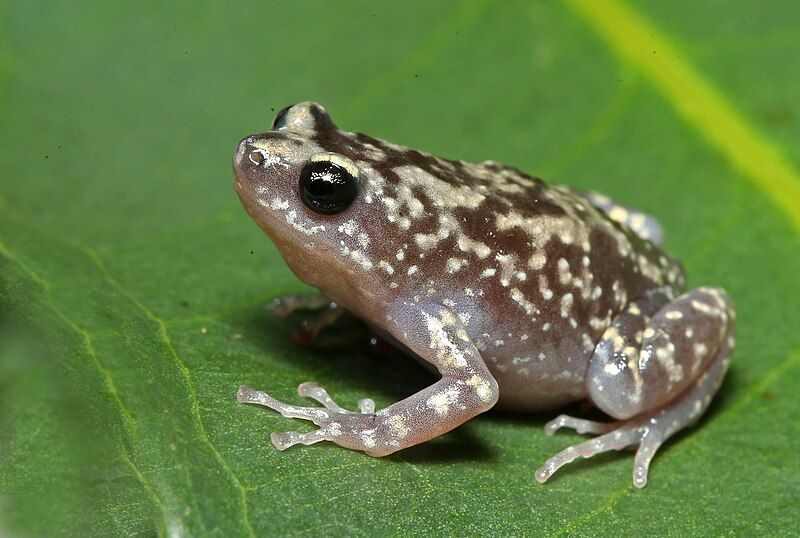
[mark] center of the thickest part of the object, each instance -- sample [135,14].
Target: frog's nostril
[256,157]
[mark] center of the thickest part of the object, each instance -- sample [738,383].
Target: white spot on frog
[279,204]
[398,427]
[269,160]
[334,429]
[508,266]
[291,218]
[368,438]
[447,352]
[564,274]
[666,358]
[386,266]
[481,386]
[454,265]
[537,260]
[349,227]
[566,304]
[520,299]
[441,401]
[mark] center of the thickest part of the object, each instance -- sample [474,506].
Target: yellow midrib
[639,43]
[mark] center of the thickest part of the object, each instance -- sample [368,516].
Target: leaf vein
[128,422]
[195,404]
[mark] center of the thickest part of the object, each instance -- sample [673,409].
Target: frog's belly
[528,382]
[519,393]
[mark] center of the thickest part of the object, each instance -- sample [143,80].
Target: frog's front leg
[308,330]
[656,370]
[466,389]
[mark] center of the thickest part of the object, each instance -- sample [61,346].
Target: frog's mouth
[274,215]
[300,241]
[304,248]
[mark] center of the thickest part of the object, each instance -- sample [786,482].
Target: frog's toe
[308,330]
[647,434]
[644,454]
[578,424]
[306,333]
[366,405]
[315,392]
[614,440]
[318,416]
[311,390]
[284,440]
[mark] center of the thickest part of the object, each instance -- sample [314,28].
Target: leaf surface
[133,285]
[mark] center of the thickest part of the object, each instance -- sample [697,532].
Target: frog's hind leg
[644,225]
[656,381]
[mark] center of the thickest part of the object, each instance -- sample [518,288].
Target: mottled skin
[521,294]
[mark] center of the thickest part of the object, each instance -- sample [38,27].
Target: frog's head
[302,184]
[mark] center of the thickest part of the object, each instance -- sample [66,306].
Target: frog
[521,295]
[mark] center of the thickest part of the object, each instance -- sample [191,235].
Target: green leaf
[132,284]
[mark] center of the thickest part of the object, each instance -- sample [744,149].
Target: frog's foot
[308,330]
[578,424]
[289,304]
[642,224]
[347,428]
[465,390]
[685,350]
[646,432]
[615,436]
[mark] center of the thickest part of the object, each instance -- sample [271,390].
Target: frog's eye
[328,184]
[280,119]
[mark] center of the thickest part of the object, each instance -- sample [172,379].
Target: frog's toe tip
[244,394]
[308,388]
[281,306]
[282,440]
[639,476]
[556,424]
[366,405]
[542,475]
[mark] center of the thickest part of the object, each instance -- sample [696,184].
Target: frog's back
[536,272]
[504,225]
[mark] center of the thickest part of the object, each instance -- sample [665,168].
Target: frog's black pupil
[280,118]
[327,188]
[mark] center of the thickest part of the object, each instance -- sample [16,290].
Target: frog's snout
[241,158]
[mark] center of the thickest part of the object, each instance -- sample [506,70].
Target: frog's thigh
[685,350]
[636,370]
[642,224]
